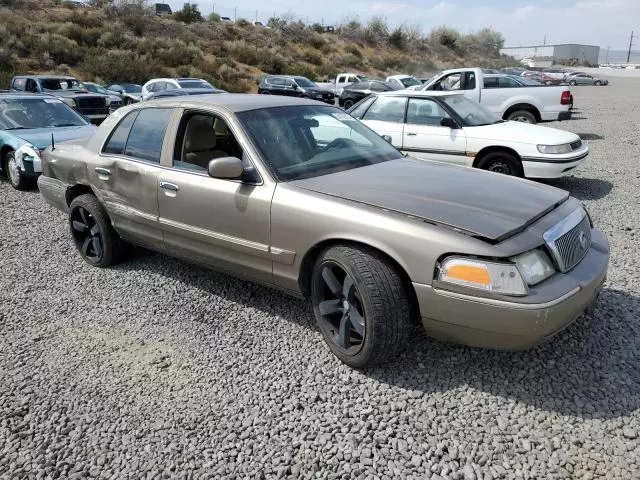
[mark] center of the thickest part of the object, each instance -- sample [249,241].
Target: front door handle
[102,171]
[169,186]
[411,134]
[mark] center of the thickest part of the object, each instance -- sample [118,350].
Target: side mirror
[226,168]
[448,122]
[387,138]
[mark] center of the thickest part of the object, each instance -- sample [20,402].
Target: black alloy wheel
[95,238]
[86,233]
[501,162]
[340,307]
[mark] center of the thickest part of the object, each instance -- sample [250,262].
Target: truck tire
[524,116]
[361,305]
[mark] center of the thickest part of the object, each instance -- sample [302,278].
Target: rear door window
[19,83]
[118,138]
[147,134]
[387,109]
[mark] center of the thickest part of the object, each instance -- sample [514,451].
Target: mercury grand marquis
[301,196]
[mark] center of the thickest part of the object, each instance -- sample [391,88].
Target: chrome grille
[571,246]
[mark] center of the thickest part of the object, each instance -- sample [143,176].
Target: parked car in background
[490,70]
[531,104]
[448,127]
[586,79]
[161,84]
[543,78]
[129,92]
[28,124]
[183,91]
[114,97]
[558,73]
[341,81]
[512,70]
[294,86]
[94,106]
[352,94]
[304,198]
[404,81]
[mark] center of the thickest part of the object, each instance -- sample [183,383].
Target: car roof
[235,102]
[53,75]
[419,93]
[24,95]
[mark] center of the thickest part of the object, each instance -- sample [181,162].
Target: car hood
[483,204]
[521,132]
[41,137]
[72,93]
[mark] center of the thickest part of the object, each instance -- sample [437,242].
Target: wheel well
[487,150]
[76,191]
[522,106]
[6,149]
[309,260]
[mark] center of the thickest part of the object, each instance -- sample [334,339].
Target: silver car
[585,79]
[300,196]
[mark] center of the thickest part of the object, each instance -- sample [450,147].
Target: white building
[547,55]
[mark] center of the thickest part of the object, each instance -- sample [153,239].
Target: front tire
[16,178]
[573,83]
[597,83]
[523,116]
[361,305]
[96,240]
[348,104]
[501,162]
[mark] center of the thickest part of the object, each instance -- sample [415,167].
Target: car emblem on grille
[582,238]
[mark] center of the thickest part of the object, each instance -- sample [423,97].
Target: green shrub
[190,13]
[312,57]
[178,54]
[397,38]
[122,66]
[353,50]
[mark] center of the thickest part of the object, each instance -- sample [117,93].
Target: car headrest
[199,134]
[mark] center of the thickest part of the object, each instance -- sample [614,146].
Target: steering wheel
[339,143]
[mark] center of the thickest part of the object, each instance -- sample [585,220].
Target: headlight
[555,149]
[534,266]
[484,275]
[69,101]
[107,101]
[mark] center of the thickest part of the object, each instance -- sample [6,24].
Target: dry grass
[117,44]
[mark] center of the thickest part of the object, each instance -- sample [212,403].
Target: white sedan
[446,126]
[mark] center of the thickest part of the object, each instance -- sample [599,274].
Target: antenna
[630,45]
[53,143]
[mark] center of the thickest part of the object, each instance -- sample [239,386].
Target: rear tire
[16,178]
[348,104]
[597,83]
[361,305]
[501,162]
[96,240]
[523,116]
[573,83]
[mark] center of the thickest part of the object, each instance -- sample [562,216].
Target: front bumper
[553,166]
[499,324]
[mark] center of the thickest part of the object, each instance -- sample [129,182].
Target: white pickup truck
[341,81]
[531,104]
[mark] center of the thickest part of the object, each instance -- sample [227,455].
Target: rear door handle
[411,134]
[102,171]
[169,186]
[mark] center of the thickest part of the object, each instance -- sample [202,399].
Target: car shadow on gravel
[590,136]
[590,370]
[582,188]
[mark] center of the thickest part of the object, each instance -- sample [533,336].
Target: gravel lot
[158,369]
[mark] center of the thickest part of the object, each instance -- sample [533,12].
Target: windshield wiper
[65,125]
[16,128]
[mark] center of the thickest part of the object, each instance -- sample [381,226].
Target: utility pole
[606,60]
[544,42]
[630,45]
[235,14]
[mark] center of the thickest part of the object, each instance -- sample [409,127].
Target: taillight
[565,99]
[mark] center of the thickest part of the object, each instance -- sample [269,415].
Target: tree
[189,14]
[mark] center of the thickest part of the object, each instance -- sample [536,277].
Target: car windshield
[194,84]
[17,113]
[131,88]
[305,82]
[472,113]
[410,81]
[529,81]
[60,84]
[308,141]
[92,87]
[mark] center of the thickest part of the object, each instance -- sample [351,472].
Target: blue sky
[522,22]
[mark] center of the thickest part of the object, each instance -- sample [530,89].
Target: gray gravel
[157,369]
